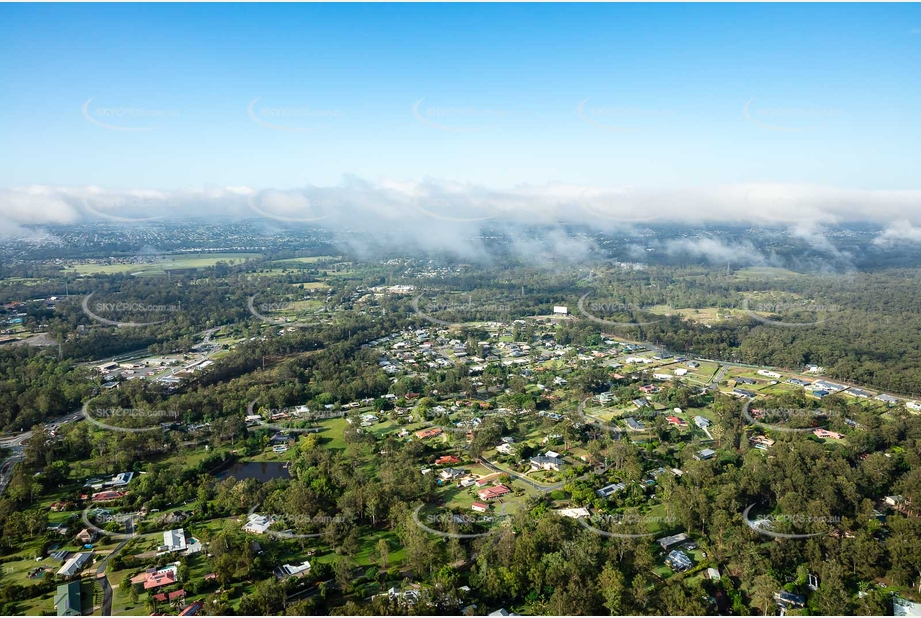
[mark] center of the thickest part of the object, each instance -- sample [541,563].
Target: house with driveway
[544,462]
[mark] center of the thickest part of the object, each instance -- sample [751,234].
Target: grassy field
[765,272]
[705,315]
[163,264]
[307,260]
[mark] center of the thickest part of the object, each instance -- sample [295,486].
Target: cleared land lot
[162,264]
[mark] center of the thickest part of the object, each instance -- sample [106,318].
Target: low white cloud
[900,232]
[444,215]
[717,252]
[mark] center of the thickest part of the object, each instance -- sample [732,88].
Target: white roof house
[75,564]
[174,540]
[257,524]
[904,607]
[289,570]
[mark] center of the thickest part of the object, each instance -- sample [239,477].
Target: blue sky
[833,95]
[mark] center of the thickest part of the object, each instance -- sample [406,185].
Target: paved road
[520,477]
[17,445]
[7,468]
[716,378]
[101,571]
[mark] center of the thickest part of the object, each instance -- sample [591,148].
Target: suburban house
[446,460]
[173,540]
[431,432]
[543,462]
[913,405]
[505,448]
[744,393]
[887,399]
[257,524]
[788,600]
[75,564]
[828,386]
[768,374]
[824,433]
[678,561]
[169,597]
[191,609]
[86,536]
[745,381]
[491,493]
[634,424]
[121,479]
[705,454]
[451,473]
[893,500]
[901,607]
[155,578]
[667,541]
[67,600]
[678,422]
[761,442]
[108,496]
[292,570]
[480,507]
[609,490]
[701,422]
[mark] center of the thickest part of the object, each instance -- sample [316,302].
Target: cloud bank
[450,216]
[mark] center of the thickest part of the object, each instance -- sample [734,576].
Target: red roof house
[106,496]
[160,578]
[490,493]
